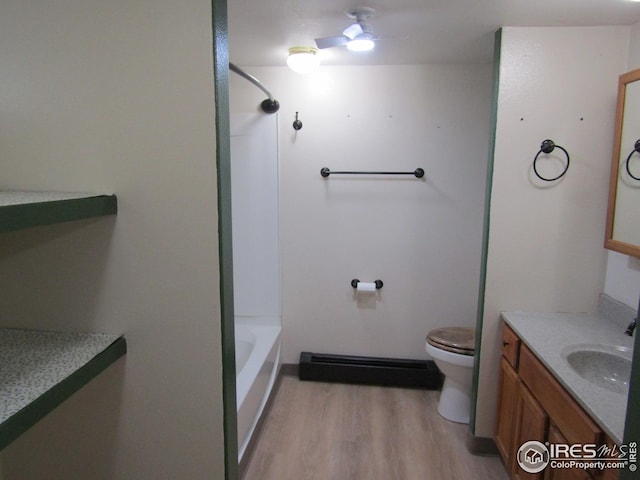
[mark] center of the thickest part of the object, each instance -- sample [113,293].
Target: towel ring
[636,148]
[547,147]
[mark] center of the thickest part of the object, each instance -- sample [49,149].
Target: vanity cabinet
[533,405]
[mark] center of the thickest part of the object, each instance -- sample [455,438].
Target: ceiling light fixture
[362,43]
[303,59]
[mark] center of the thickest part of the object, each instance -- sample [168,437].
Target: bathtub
[257,361]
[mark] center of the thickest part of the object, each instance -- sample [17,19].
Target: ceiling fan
[358,36]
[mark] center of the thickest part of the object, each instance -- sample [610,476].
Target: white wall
[117,97]
[623,272]
[634,47]
[546,241]
[422,238]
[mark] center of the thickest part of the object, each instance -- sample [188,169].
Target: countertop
[547,334]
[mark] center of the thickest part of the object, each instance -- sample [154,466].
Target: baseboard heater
[392,372]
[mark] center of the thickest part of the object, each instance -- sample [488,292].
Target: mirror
[623,214]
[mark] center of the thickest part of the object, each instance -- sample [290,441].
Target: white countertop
[547,334]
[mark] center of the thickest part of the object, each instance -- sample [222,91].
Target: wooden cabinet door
[608,473]
[532,425]
[507,411]
[555,436]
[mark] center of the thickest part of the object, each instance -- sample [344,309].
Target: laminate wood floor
[331,431]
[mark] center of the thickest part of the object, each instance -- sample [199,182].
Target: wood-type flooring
[331,431]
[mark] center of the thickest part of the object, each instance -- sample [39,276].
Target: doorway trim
[225,251]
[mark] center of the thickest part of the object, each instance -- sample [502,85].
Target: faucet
[632,325]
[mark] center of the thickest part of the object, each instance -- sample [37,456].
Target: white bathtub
[257,360]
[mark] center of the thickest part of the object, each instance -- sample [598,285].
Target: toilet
[452,350]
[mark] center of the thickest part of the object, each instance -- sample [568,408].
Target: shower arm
[270,105]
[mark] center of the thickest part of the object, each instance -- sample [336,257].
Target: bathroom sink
[607,366]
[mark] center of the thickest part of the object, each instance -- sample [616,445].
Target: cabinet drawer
[574,423]
[510,346]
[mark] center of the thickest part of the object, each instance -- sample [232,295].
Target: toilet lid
[454,339]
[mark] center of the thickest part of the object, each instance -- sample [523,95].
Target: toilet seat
[460,340]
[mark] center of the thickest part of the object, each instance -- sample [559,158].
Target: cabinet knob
[504,344]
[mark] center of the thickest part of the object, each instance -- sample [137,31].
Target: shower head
[270,105]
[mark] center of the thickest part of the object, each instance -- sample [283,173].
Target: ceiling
[425,31]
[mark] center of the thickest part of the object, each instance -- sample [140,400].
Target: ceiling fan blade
[328,42]
[353,30]
[383,37]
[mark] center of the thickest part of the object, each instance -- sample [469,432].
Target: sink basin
[606,366]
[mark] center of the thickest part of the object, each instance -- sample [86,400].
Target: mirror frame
[609,242]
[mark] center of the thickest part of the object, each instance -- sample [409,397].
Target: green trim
[19,423]
[487,222]
[632,423]
[223,164]
[26,215]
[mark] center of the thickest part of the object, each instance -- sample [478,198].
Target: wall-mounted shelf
[39,370]
[20,210]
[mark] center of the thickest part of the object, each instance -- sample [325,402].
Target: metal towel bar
[325,172]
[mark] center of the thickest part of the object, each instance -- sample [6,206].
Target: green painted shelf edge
[26,215]
[20,422]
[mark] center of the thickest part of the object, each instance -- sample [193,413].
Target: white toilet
[452,349]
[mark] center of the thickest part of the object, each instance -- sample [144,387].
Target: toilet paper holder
[355,281]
